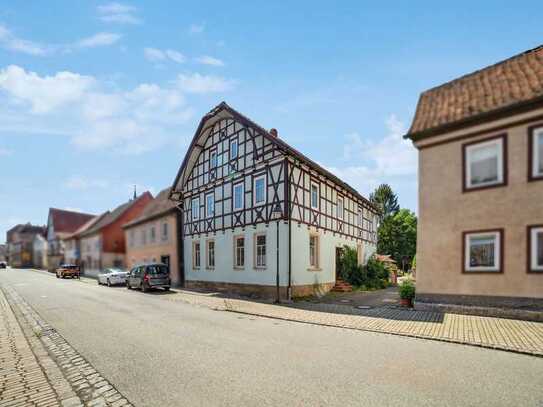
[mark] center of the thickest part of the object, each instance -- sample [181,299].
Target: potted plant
[407,293]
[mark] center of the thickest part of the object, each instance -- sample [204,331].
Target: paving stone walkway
[39,368]
[496,333]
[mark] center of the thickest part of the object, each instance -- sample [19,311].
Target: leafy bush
[373,275]
[407,290]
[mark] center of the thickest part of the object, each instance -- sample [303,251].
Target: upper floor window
[260,251]
[482,251]
[165,231]
[213,159]
[195,208]
[260,190]
[210,205]
[153,234]
[339,208]
[238,196]
[536,149]
[535,244]
[143,237]
[314,196]
[484,163]
[233,149]
[131,238]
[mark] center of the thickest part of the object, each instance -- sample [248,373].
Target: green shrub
[373,275]
[407,290]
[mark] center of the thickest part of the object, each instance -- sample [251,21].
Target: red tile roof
[159,206]
[68,221]
[509,84]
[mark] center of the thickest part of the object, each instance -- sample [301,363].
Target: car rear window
[156,270]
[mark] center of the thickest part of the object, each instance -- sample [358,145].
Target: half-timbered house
[258,215]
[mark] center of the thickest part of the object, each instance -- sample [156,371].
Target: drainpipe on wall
[180,244]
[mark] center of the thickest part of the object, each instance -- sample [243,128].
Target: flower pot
[406,302]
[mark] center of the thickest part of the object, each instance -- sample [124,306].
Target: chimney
[274,133]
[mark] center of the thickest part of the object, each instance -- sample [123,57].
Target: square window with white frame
[259,193]
[238,196]
[210,258]
[485,163]
[314,195]
[210,205]
[233,149]
[195,208]
[483,251]
[536,148]
[260,251]
[535,244]
[239,252]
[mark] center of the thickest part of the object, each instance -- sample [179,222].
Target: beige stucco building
[153,236]
[480,231]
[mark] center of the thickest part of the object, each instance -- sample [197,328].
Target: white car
[112,276]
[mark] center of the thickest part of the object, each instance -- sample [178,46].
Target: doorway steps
[342,287]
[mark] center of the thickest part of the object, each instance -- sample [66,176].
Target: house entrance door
[339,254]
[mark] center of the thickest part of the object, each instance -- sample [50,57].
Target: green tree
[385,199]
[397,236]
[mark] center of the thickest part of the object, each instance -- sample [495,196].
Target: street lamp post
[277,213]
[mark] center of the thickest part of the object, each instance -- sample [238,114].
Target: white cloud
[9,41]
[207,60]
[95,115]
[197,83]
[197,28]
[158,55]
[118,13]
[46,93]
[79,182]
[99,40]
[389,158]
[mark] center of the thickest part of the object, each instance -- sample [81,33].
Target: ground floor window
[483,251]
[210,254]
[196,255]
[260,250]
[239,251]
[314,251]
[535,245]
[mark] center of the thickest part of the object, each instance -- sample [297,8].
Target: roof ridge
[488,67]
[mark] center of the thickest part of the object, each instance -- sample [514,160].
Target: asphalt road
[164,353]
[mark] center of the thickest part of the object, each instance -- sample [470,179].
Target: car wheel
[62,275]
[166,288]
[57,275]
[99,283]
[128,286]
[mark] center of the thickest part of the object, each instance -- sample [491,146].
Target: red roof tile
[67,221]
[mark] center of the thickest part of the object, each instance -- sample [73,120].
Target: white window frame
[255,180]
[237,257]
[210,211]
[232,142]
[316,263]
[533,232]
[340,213]
[196,255]
[316,205]
[213,162]
[165,231]
[195,203]
[534,138]
[152,234]
[496,268]
[209,264]
[259,264]
[234,187]
[500,143]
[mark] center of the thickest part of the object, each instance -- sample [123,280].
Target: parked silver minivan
[147,276]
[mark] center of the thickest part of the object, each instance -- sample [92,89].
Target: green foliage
[397,236]
[414,262]
[407,290]
[373,275]
[386,200]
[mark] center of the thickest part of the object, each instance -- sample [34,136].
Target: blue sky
[98,96]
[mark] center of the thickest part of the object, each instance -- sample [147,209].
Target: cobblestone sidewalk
[39,368]
[496,333]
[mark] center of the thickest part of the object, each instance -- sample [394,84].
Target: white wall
[224,257]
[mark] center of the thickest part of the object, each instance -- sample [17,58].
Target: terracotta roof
[85,226]
[28,228]
[159,206]
[514,83]
[68,221]
[109,217]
